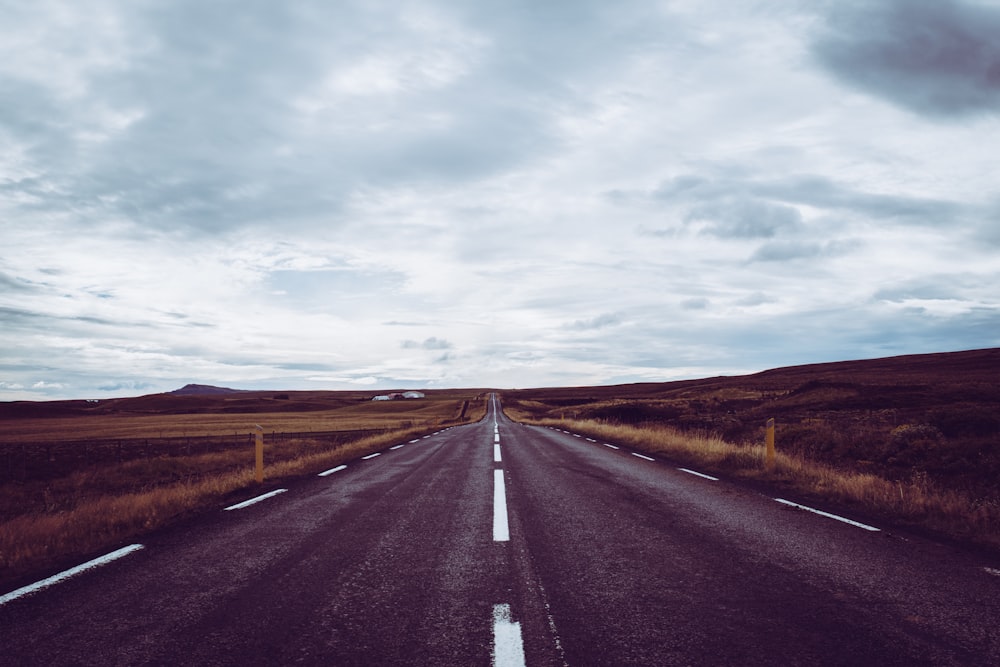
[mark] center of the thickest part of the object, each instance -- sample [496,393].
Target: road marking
[496,437]
[827,515]
[508,647]
[72,572]
[501,531]
[371,456]
[397,447]
[699,474]
[331,471]
[992,570]
[252,501]
[611,446]
[413,441]
[496,453]
[643,456]
[576,435]
[425,437]
[591,440]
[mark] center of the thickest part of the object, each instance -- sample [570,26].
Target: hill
[202,390]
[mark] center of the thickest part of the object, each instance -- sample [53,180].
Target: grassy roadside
[917,503]
[88,515]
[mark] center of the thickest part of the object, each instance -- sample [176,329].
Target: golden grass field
[917,502]
[140,464]
[912,439]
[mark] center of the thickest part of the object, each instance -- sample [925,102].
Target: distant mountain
[203,390]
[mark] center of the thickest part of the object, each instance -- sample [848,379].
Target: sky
[485,193]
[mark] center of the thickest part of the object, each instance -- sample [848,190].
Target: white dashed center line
[397,447]
[325,473]
[643,456]
[496,453]
[611,446]
[371,456]
[508,646]
[501,531]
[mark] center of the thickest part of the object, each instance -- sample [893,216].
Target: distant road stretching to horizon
[497,543]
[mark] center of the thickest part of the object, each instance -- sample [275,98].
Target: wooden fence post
[260,455]
[769,443]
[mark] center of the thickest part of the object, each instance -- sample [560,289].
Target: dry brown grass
[362,415]
[47,523]
[917,502]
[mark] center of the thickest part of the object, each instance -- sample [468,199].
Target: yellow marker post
[260,454]
[769,442]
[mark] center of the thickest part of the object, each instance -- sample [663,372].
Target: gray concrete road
[498,543]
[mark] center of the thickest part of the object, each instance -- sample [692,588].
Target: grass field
[85,477]
[915,439]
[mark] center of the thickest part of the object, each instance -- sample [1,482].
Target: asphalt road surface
[502,544]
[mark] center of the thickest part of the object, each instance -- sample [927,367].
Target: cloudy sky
[510,193]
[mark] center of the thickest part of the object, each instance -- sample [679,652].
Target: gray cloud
[988,228]
[755,299]
[126,385]
[745,218]
[757,206]
[432,343]
[15,284]
[939,58]
[782,251]
[697,303]
[939,286]
[825,193]
[598,322]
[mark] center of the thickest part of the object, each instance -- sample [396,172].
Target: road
[503,544]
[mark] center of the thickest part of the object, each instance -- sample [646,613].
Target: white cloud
[479,194]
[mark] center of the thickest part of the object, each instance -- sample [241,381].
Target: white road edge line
[501,530]
[828,515]
[610,445]
[326,473]
[496,453]
[371,456]
[248,503]
[72,572]
[698,474]
[643,456]
[508,646]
